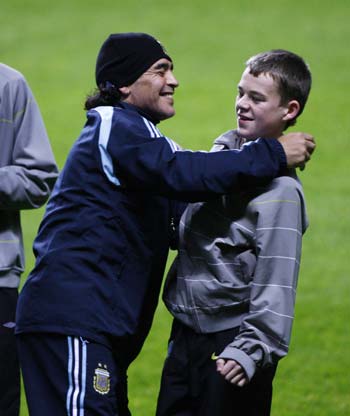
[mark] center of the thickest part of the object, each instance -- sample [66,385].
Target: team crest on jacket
[102,382]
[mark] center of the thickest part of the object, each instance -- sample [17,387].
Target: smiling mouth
[169,97]
[241,117]
[167,93]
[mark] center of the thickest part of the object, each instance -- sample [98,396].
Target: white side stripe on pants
[77,361]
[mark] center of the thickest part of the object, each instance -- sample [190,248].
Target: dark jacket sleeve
[155,165]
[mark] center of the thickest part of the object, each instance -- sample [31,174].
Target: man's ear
[292,110]
[124,91]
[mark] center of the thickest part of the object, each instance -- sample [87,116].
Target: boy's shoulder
[282,200]
[280,195]
[289,181]
[284,187]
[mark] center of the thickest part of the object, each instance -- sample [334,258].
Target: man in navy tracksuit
[101,249]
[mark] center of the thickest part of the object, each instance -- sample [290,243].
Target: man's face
[258,107]
[153,91]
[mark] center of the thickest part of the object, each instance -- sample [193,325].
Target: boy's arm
[265,332]
[232,371]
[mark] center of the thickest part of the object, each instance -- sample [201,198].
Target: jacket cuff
[242,358]
[278,148]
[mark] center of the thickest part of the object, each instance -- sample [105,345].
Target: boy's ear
[292,110]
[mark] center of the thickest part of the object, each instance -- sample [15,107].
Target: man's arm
[28,178]
[144,162]
[137,156]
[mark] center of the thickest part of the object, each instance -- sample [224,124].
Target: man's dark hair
[106,94]
[289,70]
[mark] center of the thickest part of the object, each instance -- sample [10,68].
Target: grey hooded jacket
[27,168]
[238,265]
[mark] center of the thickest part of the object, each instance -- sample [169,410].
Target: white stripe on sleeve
[106,114]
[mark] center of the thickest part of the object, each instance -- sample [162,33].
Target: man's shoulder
[15,92]
[123,123]
[118,115]
[10,75]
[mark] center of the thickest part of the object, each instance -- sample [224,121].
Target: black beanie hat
[124,57]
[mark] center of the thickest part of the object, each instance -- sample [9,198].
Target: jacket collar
[230,139]
[138,110]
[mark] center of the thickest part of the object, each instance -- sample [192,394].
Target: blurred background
[55,44]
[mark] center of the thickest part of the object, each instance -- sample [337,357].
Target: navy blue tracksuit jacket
[102,246]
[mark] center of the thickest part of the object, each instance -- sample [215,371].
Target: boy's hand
[298,148]
[232,372]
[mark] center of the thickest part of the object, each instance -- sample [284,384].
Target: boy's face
[258,107]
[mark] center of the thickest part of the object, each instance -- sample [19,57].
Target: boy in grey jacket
[232,286]
[27,175]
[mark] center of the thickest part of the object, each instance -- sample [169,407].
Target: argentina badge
[102,381]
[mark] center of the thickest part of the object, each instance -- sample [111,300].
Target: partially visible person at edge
[101,250]
[232,286]
[27,175]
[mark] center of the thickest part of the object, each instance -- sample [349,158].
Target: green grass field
[55,45]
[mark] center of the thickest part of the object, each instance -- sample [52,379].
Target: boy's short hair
[289,70]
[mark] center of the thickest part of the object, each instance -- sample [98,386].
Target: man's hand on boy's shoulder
[298,148]
[232,372]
